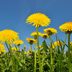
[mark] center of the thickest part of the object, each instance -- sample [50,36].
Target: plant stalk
[40,68]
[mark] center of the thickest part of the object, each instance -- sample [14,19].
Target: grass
[47,60]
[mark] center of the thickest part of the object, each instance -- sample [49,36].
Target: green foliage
[51,60]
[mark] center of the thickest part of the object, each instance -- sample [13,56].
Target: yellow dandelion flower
[18,42]
[44,35]
[71,43]
[29,52]
[41,46]
[38,19]
[66,27]
[57,43]
[14,49]
[8,36]
[35,34]
[53,46]
[50,31]
[31,40]
[2,48]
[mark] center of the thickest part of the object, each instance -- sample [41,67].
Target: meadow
[52,56]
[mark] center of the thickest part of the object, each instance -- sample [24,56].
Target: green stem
[35,61]
[42,62]
[37,38]
[69,62]
[38,50]
[35,58]
[31,48]
[19,47]
[69,43]
[51,69]
[24,49]
[51,57]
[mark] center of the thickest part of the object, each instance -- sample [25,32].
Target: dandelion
[34,34]
[71,43]
[66,27]
[44,35]
[50,31]
[31,40]
[18,42]
[57,43]
[14,49]
[2,48]
[38,19]
[29,52]
[71,47]
[40,46]
[8,35]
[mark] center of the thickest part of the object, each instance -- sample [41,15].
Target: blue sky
[13,14]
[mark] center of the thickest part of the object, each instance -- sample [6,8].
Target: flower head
[44,35]
[14,49]
[57,43]
[38,19]
[50,31]
[66,27]
[41,46]
[71,44]
[31,40]
[8,36]
[35,34]
[29,52]
[2,48]
[18,42]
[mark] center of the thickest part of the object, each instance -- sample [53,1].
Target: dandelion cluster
[46,55]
